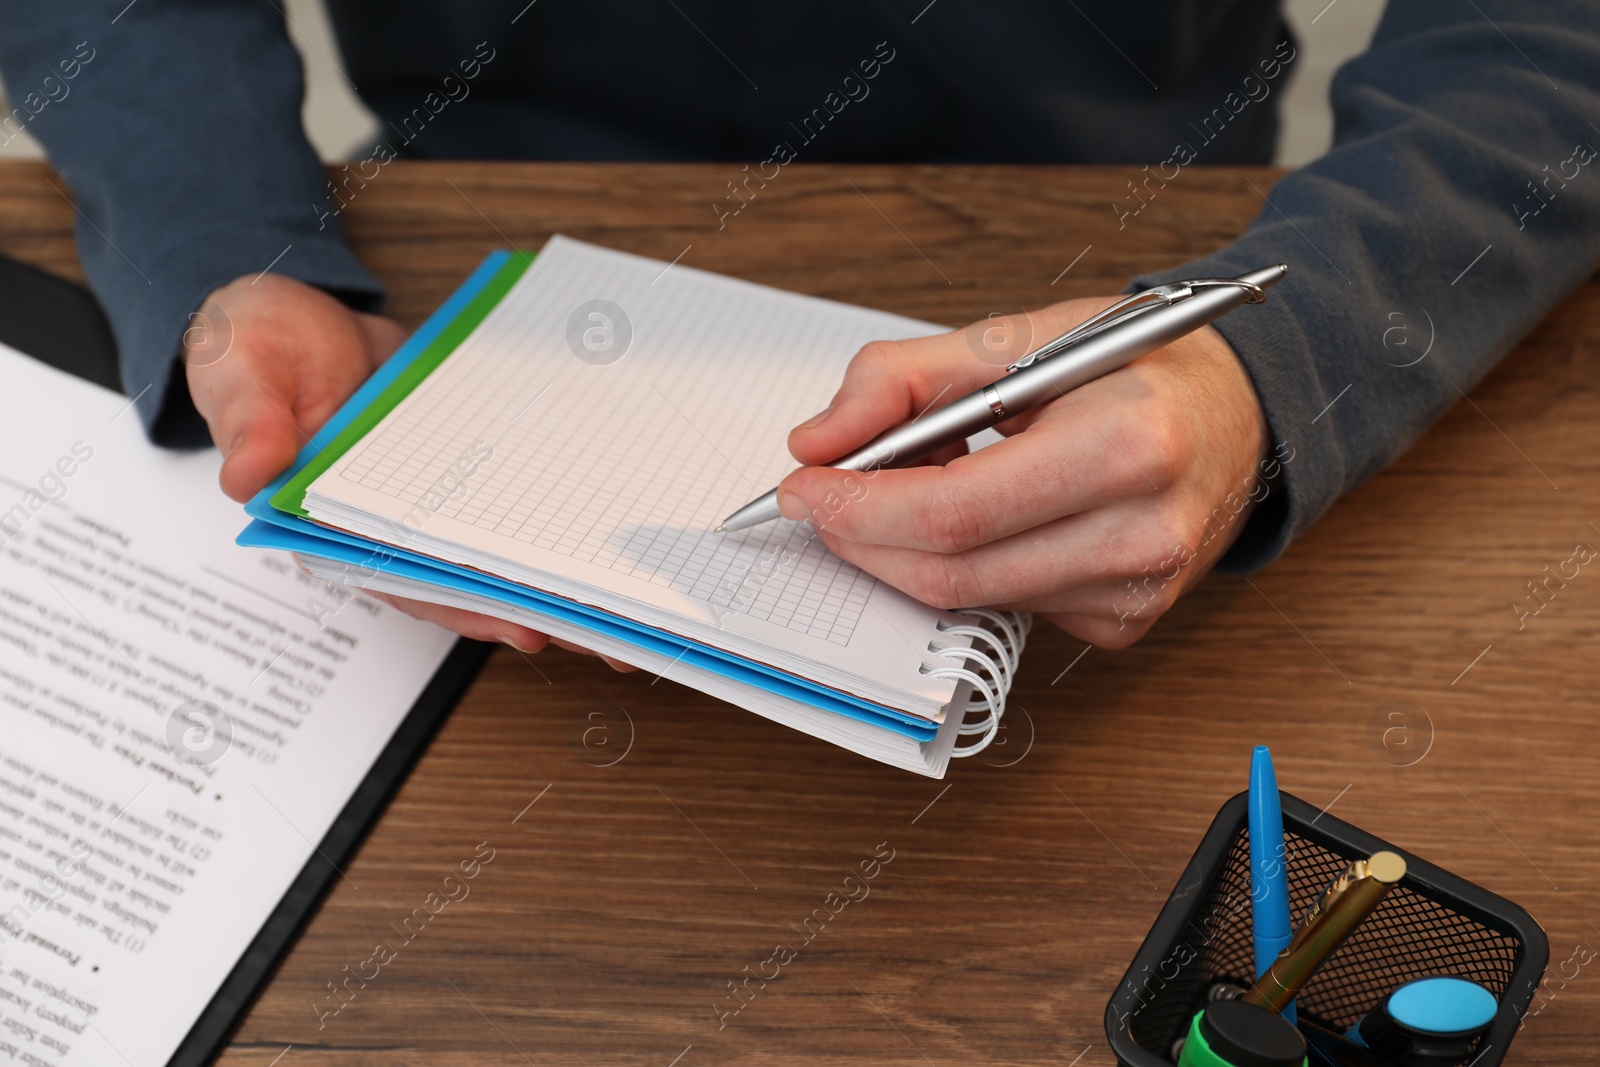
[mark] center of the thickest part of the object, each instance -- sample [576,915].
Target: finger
[488,628]
[467,623]
[253,425]
[1064,465]
[615,664]
[1102,633]
[1108,545]
[890,382]
[945,455]
[1116,613]
[383,335]
[352,348]
[887,383]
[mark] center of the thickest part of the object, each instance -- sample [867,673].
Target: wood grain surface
[676,840]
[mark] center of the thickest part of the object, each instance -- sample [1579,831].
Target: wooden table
[675,840]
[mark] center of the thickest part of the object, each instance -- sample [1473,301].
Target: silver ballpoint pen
[1110,340]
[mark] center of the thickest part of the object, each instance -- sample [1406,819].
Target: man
[1459,189]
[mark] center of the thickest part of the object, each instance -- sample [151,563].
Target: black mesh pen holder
[1432,923]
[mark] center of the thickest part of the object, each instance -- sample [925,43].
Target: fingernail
[526,651]
[817,419]
[791,506]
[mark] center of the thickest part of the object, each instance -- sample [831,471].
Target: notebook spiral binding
[1004,633]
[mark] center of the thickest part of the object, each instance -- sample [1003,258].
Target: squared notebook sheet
[598,476]
[610,465]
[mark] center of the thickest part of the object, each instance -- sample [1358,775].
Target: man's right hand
[269,360]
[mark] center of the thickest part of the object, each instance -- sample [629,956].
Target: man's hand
[269,360]
[1098,510]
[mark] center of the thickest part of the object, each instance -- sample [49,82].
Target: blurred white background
[1329,32]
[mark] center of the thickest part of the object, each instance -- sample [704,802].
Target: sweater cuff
[1277,353]
[149,328]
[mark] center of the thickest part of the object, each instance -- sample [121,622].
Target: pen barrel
[1115,347]
[1095,356]
[1290,971]
[904,445]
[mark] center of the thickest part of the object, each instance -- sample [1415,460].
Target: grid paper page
[629,465]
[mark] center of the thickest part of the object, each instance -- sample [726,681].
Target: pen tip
[720,528]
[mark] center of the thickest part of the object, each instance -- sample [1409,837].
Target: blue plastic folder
[276,526]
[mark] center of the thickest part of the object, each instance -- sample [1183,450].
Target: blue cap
[1443,1006]
[1427,1021]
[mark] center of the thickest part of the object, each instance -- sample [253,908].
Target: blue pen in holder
[1432,923]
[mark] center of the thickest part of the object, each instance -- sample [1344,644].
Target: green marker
[1231,1033]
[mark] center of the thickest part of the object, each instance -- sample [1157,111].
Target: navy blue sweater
[1458,205]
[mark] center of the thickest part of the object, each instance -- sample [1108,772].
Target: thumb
[258,437]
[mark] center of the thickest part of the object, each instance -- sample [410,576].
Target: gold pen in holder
[1342,907]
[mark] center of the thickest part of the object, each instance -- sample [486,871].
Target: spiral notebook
[556,446]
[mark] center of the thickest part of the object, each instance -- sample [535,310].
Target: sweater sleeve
[176,124]
[1459,204]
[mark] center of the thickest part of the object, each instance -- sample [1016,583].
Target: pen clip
[1131,307]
